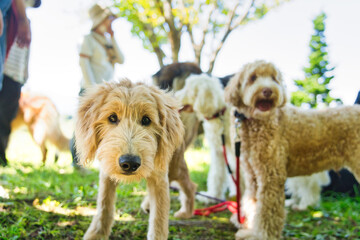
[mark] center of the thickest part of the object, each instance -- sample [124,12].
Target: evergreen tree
[314,89]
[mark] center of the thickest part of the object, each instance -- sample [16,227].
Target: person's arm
[118,52]
[23,37]
[1,23]
[85,53]
[86,69]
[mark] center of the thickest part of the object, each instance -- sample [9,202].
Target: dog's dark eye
[253,78]
[113,118]
[145,121]
[273,78]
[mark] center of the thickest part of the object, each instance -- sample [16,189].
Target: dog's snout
[129,163]
[267,92]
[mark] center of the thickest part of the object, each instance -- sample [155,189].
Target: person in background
[99,52]
[15,41]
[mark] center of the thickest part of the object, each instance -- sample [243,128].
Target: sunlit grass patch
[56,201]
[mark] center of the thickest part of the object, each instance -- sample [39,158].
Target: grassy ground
[57,202]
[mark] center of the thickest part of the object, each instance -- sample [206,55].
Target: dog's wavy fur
[206,96]
[281,141]
[154,144]
[42,119]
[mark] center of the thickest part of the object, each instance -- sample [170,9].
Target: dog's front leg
[269,216]
[101,224]
[159,197]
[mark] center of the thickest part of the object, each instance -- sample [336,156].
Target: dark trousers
[9,105]
[357,101]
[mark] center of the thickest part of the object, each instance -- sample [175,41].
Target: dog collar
[217,114]
[186,108]
[239,116]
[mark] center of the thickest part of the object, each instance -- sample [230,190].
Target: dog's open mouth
[264,104]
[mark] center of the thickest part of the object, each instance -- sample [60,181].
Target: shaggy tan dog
[42,119]
[281,141]
[133,130]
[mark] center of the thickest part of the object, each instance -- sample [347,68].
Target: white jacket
[94,59]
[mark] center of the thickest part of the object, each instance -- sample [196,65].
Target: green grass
[57,202]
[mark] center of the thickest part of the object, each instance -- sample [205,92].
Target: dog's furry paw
[247,234]
[145,205]
[234,220]
[90,235]
[183,214]
[289,202]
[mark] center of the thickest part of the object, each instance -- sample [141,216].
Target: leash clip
[239,118]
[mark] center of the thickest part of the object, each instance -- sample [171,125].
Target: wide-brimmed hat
[98,14]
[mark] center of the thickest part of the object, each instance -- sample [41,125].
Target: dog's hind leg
[101,224]
[159,199]
[38,132]
[145,204]
[217,176]
[187,196]
[179,172]
[44,152]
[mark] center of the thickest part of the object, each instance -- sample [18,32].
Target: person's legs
[9,104]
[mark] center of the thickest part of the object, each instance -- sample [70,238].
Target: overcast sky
[282,37]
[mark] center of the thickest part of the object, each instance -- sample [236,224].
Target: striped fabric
[16,65]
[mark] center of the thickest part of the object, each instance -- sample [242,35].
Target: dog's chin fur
[258,105]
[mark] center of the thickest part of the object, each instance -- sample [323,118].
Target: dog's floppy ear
[172,129]
[86,129]
[282,85]
[232,91]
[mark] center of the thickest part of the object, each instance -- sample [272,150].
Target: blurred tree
[314,89]
[161,24]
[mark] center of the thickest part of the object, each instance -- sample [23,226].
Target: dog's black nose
[129,163]
[267,92]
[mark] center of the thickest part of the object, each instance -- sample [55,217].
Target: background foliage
[163,25]
[314,89]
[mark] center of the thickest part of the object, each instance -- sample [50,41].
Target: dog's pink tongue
[264,105]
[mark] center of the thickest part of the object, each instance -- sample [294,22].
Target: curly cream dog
[205,95]
[133,130]
[281,141]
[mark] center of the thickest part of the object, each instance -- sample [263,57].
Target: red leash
[238,192]
[233,207]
